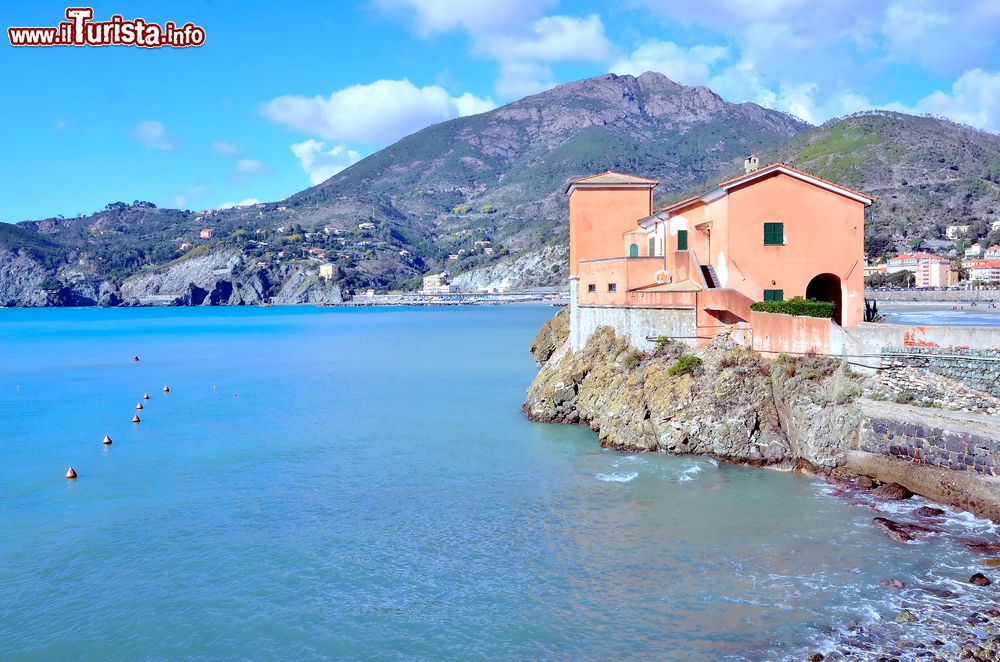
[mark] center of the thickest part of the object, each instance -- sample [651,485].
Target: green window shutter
[774,234]
[652,246]
[774,295]
[682,240]
[633,250]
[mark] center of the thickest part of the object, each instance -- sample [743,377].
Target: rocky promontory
[719,400]
[211,278]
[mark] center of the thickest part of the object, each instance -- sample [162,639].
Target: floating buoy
[145,396]
[234,395]
[138,405]
[106,440]
[135,419]
[71,473]
[166,389]
[135,358]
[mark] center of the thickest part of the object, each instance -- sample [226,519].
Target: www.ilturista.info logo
[81,30]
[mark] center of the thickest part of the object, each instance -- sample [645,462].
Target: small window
[774,234]
[774,295]
[682,240]
[612,287]
[652,246]
[592,287]
[633,250]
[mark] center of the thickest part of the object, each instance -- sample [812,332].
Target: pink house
[771,234]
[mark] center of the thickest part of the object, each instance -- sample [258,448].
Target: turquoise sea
[361,484]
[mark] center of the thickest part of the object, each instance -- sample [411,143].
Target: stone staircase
[711,278]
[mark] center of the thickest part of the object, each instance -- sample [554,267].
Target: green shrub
[463,208]
[685,364]
[487,209]
[633,359]
[797,306]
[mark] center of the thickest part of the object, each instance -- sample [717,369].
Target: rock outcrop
[734,405]
[210,279]
[551,337]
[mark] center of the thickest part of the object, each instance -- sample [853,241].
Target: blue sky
[283,95]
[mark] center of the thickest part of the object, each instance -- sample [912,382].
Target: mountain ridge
[473,193]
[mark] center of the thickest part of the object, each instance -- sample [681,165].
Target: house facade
[772,234]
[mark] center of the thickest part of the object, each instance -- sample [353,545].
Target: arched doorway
[826,287]
[633,250]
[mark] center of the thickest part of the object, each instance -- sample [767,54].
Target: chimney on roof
[750,164]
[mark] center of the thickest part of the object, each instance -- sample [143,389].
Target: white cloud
[250,167]
[246,202]
[378,113]
[320,163]
[432,16]
[549,39]
[742,82]
[153,135]
[516,34]
[974,99]
[520,79]
[470,104]
[689,66]
[225,148]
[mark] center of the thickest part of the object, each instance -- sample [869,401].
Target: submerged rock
[928,511]
[892,492]
[900,531]
[905,616]
[979,579]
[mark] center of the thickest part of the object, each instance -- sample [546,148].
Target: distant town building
[986,271]
[873,269]
[487,250]
[992,253]
[404,253]
[206,233]
[185,246]
[907,262]
[935,272]
[282,208]
[326,271]
[956,231]
[995,225]
[437,284]
[366,226]
[318,252]
[452,257]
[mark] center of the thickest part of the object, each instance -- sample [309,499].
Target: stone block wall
[635,323]
[961,442]
[976,368]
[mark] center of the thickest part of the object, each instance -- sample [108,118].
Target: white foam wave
[618,476]
[689,473]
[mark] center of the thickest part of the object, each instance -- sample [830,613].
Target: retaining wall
[976,368]
[774,333]
[636,324]
[959,441]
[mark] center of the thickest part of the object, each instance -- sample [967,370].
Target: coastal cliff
[213,278]
[720,400]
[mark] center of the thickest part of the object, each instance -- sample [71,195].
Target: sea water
[360,483]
